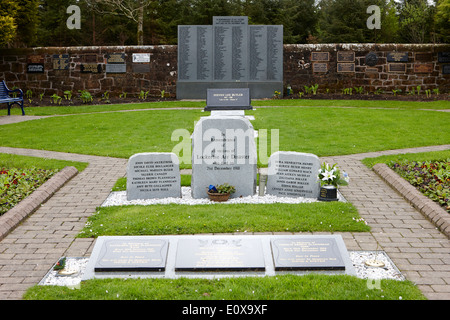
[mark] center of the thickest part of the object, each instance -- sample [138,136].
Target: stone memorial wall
[155,68]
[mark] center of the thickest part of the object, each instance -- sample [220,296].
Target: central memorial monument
[229,54]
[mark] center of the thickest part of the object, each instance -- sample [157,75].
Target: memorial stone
[229,54]
[153,176]
[293,174]
[228,99]
[223,151]
[132,254]
[308,253]
[220,254]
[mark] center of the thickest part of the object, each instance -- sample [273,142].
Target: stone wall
[417,65]
[87,68]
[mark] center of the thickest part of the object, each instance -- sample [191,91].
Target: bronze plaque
[346,67]
[91,68]
[397,67]
[423,68]
[115,58]
[424,56]
[397,57]
[320,67]
[371,69]
[39,58]
[320,56]
[345,56]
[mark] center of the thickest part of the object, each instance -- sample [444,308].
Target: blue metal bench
[5,98]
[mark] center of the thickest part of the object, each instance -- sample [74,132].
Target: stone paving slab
[416,246]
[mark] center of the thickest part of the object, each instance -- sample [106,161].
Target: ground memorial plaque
[132,254]
[308,253]
[228,99]
[152,176]
[293,174]
[223,151]
[220,254]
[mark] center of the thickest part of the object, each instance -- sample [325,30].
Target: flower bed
[17,184]
[432,178]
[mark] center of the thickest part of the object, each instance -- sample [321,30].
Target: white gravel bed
[389,271]
[119,198]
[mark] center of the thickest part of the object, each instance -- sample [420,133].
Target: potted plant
[330,178]
[221,192]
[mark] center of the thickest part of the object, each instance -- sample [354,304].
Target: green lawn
[408,157]
[282,287]
[322,131]
[63,110]
[26,162]
[223,218]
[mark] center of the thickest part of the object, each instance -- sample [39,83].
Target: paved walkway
[418,249]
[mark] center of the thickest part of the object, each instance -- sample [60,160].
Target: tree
[416,19]
[442,20]
[8,27]
[132,9]
[27,22]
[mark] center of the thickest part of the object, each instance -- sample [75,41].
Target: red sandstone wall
[162,74]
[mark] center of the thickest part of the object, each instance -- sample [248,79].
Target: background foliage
[26,23]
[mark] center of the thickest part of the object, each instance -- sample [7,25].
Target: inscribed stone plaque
[195,53]
[35,68]
[223,151]
[397,57]
[423,56]
[293,174]
[227,20]
[230,52]
[274,53]
[228,99]
[141,67]
[141,57]
[314,253]
[320,67]
[444,57]
[116,68]
[446,69]
[346,67]
[60,61]
[423,68]
[135,254]
[114,58]
[397,67]
[320,56]
[345,56]
[153,176]
[216,254]
[90,68]
[258,53]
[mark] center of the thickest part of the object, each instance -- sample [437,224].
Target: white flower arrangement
[331,175]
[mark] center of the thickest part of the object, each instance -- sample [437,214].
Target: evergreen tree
[442,20]
[8,12]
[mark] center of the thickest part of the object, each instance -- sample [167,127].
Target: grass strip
[281,287]
[223,218]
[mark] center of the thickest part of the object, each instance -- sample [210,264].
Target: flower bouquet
[330,178]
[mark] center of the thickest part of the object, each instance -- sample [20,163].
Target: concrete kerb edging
[30,204]
[430,209]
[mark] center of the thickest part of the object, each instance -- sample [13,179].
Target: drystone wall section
[153,69]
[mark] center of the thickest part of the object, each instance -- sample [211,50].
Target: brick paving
[417,247]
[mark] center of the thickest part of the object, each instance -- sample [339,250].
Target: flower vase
[218,197]
[328,193]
